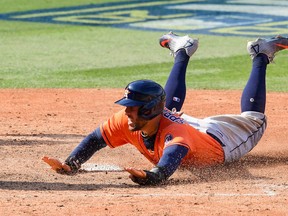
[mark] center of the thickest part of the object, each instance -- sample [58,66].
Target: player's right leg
[182,48]
[262,52]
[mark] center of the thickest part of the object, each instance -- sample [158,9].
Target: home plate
[91,167]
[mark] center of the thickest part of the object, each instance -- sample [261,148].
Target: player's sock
[254,93]
[175,87]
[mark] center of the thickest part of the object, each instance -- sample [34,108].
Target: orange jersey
[173,130]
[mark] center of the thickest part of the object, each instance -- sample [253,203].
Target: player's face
[135,122]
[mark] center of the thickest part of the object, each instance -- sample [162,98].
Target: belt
[216,138]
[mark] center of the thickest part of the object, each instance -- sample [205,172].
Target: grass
[213,73]
[24,5]
[41,55]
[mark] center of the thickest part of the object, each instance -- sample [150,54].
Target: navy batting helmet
[147,94]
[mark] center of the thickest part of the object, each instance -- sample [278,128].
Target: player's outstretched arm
[83,152]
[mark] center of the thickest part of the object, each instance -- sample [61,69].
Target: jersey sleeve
[177,136]
[115,130]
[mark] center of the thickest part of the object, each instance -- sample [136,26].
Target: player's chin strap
[153,177]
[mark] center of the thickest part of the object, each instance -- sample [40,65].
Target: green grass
[24,5]
[213,73]
[38,55]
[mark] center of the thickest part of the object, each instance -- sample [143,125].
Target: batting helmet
[147,94]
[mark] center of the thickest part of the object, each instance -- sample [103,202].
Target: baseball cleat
[267,46]
[174,43]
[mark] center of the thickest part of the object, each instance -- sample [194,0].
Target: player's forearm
[171,159]
[84,151]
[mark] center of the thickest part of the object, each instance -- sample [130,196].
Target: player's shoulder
[117,119]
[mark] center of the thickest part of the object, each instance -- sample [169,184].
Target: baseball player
[149,122]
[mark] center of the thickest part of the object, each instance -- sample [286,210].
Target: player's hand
[179,113]
[57,166]
[145,177]
[135,172]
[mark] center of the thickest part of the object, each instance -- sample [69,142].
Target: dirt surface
[53,121]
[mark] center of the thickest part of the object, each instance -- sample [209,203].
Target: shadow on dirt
[237,170]
[56,186]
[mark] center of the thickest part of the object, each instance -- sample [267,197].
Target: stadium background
[63,64]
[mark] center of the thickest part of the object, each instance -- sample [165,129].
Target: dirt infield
[53,121]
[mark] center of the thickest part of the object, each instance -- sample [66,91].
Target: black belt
[216,138]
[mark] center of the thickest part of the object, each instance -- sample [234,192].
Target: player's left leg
[262,52]
[182,48]
[246,130]
[254,94]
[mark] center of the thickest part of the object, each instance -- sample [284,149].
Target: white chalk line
[107,194]
[267,191]
[272,188]
[190,195]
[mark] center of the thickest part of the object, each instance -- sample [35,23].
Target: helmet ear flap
[151,109]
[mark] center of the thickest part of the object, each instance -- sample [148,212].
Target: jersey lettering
[167,114]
